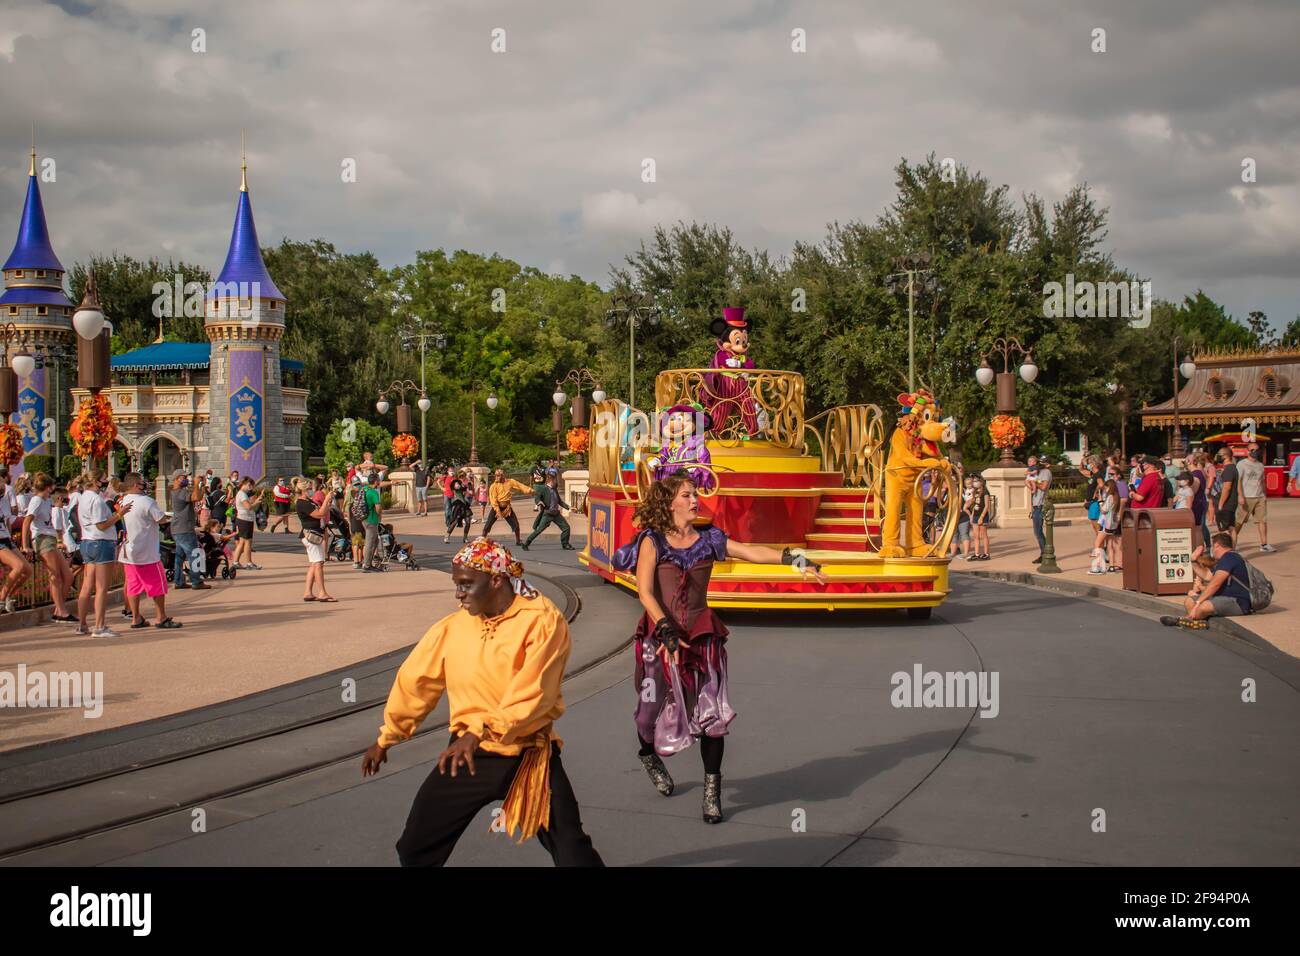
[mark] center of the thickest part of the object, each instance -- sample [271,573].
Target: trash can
[1158,545]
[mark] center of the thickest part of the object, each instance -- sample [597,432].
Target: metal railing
[35,591]
[744,403]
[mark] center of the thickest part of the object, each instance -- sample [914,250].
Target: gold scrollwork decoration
[778,399]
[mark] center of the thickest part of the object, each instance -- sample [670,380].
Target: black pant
[446,805]
[508,517]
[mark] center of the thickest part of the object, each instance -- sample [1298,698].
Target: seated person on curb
[1226,594]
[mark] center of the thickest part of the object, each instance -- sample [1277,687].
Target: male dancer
[500,659]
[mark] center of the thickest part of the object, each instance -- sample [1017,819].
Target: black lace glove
[798,560]
[668,634]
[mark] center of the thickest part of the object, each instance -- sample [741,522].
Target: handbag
[314,538]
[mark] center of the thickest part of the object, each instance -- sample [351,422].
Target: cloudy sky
[537,152]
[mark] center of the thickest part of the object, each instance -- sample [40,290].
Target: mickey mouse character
[728,392]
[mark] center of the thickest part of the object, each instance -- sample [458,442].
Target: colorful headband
[484,554]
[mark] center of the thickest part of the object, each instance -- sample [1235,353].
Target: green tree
[126,294]
[335,324]
[347,439]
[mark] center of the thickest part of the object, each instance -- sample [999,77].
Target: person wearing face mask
[98,523]
[184,533]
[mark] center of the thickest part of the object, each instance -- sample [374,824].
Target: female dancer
[681,657]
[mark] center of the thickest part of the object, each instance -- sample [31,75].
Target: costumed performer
[500,659]
[681,431]
[680,642]
[728,392]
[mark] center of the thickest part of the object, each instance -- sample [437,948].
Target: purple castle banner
[247,389]
[30,417]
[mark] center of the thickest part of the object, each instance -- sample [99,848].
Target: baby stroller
[340,546]
[390,549]
[167,549]
[216,557]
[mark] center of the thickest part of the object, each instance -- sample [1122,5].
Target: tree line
[826,310]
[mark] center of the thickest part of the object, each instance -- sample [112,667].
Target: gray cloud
[536,153]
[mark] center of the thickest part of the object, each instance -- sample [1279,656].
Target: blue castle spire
[32,250]
[244,258]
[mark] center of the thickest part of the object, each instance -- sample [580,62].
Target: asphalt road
[1116,741]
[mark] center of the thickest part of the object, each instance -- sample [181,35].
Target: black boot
[713,798]
[658,773]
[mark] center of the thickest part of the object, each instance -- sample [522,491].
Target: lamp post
[1006,393]
[911,267]
[1188,368]
[634,309]
[1123,406]
[578,378]
[491,402]
[93,345]
[410,333]
[400,388]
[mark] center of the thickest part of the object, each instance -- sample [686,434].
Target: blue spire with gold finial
[32,250]
[244,259]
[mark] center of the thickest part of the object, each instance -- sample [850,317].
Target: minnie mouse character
[728,393]
[681,431]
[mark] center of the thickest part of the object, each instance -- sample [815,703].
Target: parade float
[830,485]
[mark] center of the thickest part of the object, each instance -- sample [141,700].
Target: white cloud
[616,211]
[888,49]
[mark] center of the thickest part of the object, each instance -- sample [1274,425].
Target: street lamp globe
[598,395]
[492,400]
[382,406]
[1188,368]
[23,365]
[1029,371]
[424,404]
[88,322]
[559,398]
[984,374]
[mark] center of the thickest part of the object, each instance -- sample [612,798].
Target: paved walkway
[1013,549]
[241,637]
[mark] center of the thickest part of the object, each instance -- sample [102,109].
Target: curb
[32,616]
[1224,626]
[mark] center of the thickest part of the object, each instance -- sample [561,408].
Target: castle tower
[35,303]
[244,321]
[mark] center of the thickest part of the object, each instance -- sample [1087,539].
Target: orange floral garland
[93,430]
[11,444]
[577,439]
[1007,431]
[405,446]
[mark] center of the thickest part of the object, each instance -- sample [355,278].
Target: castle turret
[244,321]
[35,303]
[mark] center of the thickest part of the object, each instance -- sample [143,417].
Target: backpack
[1260,587]
[991,507]
[74,522]
[358,509]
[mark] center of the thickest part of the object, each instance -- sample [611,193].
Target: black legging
[710,751]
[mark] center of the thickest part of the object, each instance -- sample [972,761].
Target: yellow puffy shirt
[502,676]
